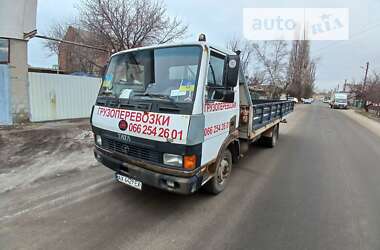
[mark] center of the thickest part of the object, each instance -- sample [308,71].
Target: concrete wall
[19,81]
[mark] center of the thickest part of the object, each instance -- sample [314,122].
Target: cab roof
[202,44]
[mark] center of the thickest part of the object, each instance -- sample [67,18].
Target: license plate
[129,181]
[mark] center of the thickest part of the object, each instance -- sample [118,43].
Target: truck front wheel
[222,174]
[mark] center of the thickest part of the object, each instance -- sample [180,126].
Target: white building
[18,19]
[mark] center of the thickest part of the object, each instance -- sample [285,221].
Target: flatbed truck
[176,117]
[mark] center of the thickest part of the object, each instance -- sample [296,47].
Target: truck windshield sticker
[187,88]
[125,93]
[177,92]
[107,81]
[187,85]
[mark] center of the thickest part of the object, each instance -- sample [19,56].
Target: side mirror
[231,69]
[225,95]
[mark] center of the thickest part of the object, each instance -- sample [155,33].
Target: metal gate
[5,95]
[57,97]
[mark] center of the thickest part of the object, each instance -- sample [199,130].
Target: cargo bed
[262,115]
[267,111]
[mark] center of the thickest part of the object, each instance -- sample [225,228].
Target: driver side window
[215,75]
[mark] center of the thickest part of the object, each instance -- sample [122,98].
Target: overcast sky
[222,19]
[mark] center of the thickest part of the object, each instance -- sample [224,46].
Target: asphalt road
[318,189]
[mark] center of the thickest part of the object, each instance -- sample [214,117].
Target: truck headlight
[173,160]
[98,140]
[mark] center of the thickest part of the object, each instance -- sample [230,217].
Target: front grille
[131,150]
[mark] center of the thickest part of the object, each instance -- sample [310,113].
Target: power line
[369,28]
[72,43]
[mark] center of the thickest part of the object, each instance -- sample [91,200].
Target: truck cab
[168,116]
[339,101]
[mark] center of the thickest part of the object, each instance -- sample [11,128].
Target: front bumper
[340,106]
[182,185]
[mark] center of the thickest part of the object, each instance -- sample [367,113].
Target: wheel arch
[234,148]
[231,143]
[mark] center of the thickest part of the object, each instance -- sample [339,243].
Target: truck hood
[148,125]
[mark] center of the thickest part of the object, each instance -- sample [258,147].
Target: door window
[215,75]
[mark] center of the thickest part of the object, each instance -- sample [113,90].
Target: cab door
[219,115]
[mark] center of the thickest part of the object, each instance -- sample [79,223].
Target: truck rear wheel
[222,174]
[271,141]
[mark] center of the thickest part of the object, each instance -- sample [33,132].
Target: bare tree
[271,61]
[257,78]
[120,24]
[57,30]
[125,24]
[370,92]
[309,80]
[301,70]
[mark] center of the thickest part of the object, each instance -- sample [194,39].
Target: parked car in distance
[294,99]
[307,101]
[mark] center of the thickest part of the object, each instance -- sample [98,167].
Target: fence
[57,97]
[375,108]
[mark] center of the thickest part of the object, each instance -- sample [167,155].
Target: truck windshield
[340,100]
[162,73]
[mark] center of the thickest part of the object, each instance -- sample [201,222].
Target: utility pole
[344,86]
[366,74]
[364,83]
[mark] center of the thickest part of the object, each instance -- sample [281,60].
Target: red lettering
[112,113]
[138,117]
[145,118]
[100,110]
[151,118]
[133,116]
[117,113]
[122,115]
[218,106]
[166,120]
[158,119]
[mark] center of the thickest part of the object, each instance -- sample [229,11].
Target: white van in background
[339,100]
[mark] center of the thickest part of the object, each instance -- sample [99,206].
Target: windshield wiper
[159,96]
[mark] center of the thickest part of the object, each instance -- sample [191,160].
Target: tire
[271,141]
[219,182]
